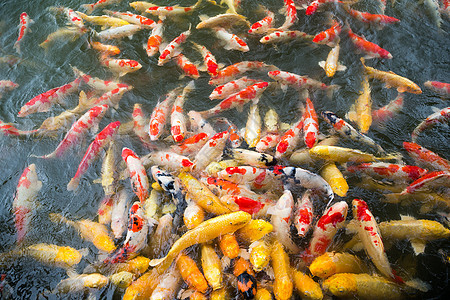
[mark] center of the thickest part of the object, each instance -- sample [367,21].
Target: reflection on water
[420,50]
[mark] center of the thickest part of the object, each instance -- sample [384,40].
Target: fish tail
[57,218]
[89,8]
[73,184]
[156,261]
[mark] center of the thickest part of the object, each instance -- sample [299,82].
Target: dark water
[420,51]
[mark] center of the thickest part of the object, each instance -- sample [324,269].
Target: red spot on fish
[332,219]
[235,170]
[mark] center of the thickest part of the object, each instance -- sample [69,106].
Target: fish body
[173,48]
[169,161]
[119,32]
[438,87]
[331,263]
[24,201]
[331,65]
[43,102]
[316,4]
[210,151]
[204,232]
[170,184]
[121,66]
[260,254]
[229,245]
[82,282]
[136,238]
[290,14]
[138,174]
[209,60]
[222,20]
[24,28]
[335,179]
[154,40]
[377,20]
[193,215]
[90,119]
[250,93]
[170,11]
[168,285]
[189,68]
[263,25]
[102,139]
[232,87]
[303,214]
[191,274]
[104,49]
[119,214]
[133,18]
[310,125]
[306,287]
[252,158]
[363,108]
[267,142]
[99,84]
[6,86]
[191,145]
[442,116]
[140,124]
[329,37]
[112,97]
[253,126]
[387,112]
[67,34]
[391,79]
[280,36]
[426,158]
[343,155]
[427,181]
[371,50]
[394,172]
[230,40]
[289,140]
[298,82]
[97,5]
[104,21]
[255,230]
[282,285]
[159,116]
[230,72]
[211,266]
[258,178]
[10,129]
[177,117]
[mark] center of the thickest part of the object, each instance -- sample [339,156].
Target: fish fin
[98,180]
[418,246]
[71,272]
[407,218]
[341,67]
[73,184]
[322,64]
[203,17]
[418,285]
[240,108]
[156,261]
[426,208]
[351,114]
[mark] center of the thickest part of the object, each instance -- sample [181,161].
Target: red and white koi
[267,142]
[191,145]
[99,84]
[24,201]
[306,179]
[169,161]
[211,151]
[232,87]
[209,60]
[232,71]
[299,82]
[136,238]
[332,219]
[112,97]
[394,172]
[316,4]
[102,139]
[89,120]
[173,48]
[289,140]
[253,126]
[426,158]
[280,36]
[160,114]
[121,66]
[256,178]
[242,203]
[170,184]
[189,69]
[170,11]
[119,213]
[441,88]
[119,32]
[442,116]
[199,124]
[262,26]
[329,37]
[436,178]
[177,118]
[133,18]
[154,40]
[230,40]
[223,187]
[281,220]
[331,65]
[250,93]
[303,215]
[310,125]
[387,112]
[24,28]
[99,4]
[43,102]
[140,124]
[379,21]
[138,174]
[370,236]
[371,50]
[291,14]
[10,129]
[236,137]
[74,18]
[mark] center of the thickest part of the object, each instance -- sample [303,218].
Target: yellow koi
[331,263]
[211,266]
[335,179]
[82,282]
[343,155]
[282,286]
[254,230]
[306,287]
[259,254]
[361,111]
[122,279]
[104,21]
[143,287]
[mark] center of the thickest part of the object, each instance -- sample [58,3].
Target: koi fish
[299,82]
[102,139]
[440,88]
[326,228]
[24,201]
[139,126]
[391,79]
[316,4]
[169,160]
[262,26]
[89,230]
[43,102]
[361,111]
[289,140]
[305,286]
[121,67]
[211,266]
[189,69]
[119,32]
[209,60]
[6,86]
[190,273]
[159,116]
[252,158]
[424,183]
[105,50]
[89,120]
[177,117]
[119,214]
[379,21]
[171,11]
[89,8]
[253,126]
[426,158]
[229,245]
[173,48]
[310,125]
[329,37]
[282,285]
[371,50]
[257,178]
[81,282]
[259,254]
[280,36]
[136,238]
[112,97]
[10,129]
[442,116]
[303,214]
[70,34]
[138,174]
[133,18]
[267,142]
[369,234]
[24,28]
[141,6]
[306,179]
[383,114]
[104,21]
[331,263]
[231,41]
[170,184]
[228,89]
[193,215]
[335,179]
[348,132]
[342,155]
[204,232]
[191,145]
[100,84]
[302,157]
[226,20]
[232,71]
[199,124]
[250,93]
[254,230]
[331,65]
[394,172]
[73,17]
[168,285]
[154,40]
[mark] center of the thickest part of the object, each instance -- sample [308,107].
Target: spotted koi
[112,97]
[177,117]
[267,142]
[300,82]
[189,68]
[232,87]
[170,11]
[211,151]
[289,140]
[280,36]
[6,86]
[102,139]
[10,129]
[252,158]
[256,178]
[138,174]
[329,37]
[230,40]
[24,201]
[173,48]
[303,215]
[395,172]
[316,4]
[441,88]
[209,60]
[371,50]
[154,40]
[121,66]
[310,125]
[170,184]
[99,84]
[426,158]
[159,115]
[442,116]
[290,13]
[24,28]
[436,178]
[199,124]
[191,145]
[119,32]
[232,71]
[262,26]
[43,102]
[168,160]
